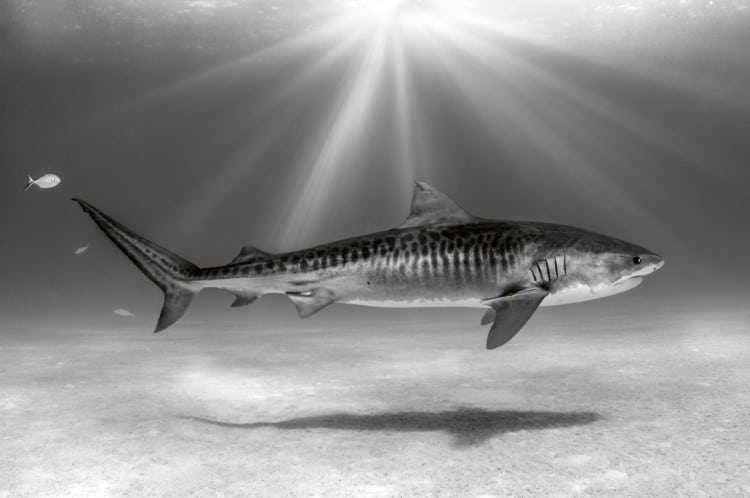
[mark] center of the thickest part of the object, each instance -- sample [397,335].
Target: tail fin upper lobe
[167,270]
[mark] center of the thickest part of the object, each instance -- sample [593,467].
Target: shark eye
[637,260]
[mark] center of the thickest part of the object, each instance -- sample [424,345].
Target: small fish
[81,249]
[123,312]
[47,180]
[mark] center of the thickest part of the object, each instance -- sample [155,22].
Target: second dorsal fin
[429,206]
[250,254]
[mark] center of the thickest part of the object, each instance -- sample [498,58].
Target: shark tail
[167,270]
[29,183]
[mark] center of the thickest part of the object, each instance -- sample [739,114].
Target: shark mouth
[581,292]
[622,285]
[647,270]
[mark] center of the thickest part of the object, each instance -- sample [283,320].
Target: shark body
[440,256]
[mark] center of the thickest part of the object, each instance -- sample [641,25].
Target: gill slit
[541,275]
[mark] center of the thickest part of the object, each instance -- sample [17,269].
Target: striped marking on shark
[440,256]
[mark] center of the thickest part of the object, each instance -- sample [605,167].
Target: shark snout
[655,260]
[649,264]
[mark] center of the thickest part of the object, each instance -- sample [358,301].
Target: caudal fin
[30,182]
[167,270]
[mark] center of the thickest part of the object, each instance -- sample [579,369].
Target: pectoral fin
[312,301]
[511,313]
[489,316]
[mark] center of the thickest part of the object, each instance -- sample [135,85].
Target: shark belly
[416,303]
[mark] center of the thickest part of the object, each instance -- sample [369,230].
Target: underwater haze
[207,125]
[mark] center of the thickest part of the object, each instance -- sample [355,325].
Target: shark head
[599,266]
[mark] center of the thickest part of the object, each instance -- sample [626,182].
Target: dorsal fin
[429,206]
[249,254]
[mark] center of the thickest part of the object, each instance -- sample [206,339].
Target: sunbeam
[507,103]
[245,160]
[330,152]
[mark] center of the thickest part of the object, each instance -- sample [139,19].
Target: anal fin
[511,314]
[311,301]
[243,298]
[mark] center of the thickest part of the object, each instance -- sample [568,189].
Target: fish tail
[170,272]
[31,182]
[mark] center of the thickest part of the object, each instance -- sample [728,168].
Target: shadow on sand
[470,426]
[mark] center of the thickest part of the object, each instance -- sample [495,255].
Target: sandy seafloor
[403,404]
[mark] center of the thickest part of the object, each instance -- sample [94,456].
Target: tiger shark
[439,256]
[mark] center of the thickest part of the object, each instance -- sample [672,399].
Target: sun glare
[383,12]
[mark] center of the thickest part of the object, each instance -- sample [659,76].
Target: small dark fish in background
[81,250]
[123,312]
[47,180]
